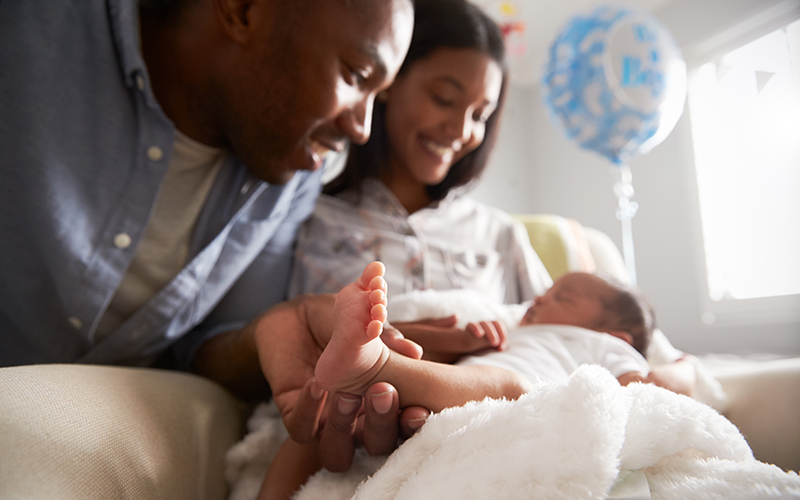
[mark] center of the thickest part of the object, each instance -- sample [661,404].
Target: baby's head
[598,303]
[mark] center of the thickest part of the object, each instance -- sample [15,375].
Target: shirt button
[155,153]
[140,82]
[75,322]
[122,240]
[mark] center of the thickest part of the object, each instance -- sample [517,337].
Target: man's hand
[287,351]
[289,339]
[373,420]
[374,424]
[283,346]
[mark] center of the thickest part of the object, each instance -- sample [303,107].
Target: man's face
[306,81]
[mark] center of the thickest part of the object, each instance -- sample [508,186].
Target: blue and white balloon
[615,82]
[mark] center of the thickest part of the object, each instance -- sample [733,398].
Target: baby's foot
[355,353]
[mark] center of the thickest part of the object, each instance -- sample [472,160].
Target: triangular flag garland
[762,79]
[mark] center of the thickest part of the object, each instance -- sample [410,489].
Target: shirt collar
[374,195]
[124,17]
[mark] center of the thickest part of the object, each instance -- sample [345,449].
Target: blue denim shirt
[83,150]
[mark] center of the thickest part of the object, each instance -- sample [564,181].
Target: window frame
[727,311]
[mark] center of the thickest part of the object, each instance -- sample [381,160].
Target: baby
[355,357]
[583,318]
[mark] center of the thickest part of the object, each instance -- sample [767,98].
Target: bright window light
[745,115]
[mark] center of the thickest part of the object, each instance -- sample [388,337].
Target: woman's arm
[679,376]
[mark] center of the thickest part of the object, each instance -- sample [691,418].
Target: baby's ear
[627,337]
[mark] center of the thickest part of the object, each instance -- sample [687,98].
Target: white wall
[536,170]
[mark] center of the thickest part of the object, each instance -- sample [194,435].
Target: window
[745,116]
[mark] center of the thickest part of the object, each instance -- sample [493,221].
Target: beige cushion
[765,406]
[92,432]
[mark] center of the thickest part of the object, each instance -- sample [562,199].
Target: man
[156,162]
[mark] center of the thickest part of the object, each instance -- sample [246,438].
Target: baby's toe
[377,297]
[378,312]
[373,271]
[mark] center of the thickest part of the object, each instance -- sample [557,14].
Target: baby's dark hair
[630,312]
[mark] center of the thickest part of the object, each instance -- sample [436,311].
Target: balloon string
[626,210]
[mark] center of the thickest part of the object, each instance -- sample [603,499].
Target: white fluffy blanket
[558,442]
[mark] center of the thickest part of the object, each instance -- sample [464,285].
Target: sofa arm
[764,403]
[92,432]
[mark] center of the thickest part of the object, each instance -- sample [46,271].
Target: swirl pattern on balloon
[615,82]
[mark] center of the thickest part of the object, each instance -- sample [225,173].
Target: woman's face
[436,111]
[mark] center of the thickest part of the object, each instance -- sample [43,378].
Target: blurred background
[717,233]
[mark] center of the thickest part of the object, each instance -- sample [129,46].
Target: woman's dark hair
[456,24]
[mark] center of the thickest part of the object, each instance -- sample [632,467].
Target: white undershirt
[164,249]
[553,352]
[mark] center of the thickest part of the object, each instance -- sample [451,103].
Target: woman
[400,197]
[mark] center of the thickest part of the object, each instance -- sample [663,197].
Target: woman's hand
[442,341]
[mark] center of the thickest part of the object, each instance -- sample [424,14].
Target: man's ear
[236,18]
[627,337]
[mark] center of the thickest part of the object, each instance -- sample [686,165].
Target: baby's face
[575,299]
